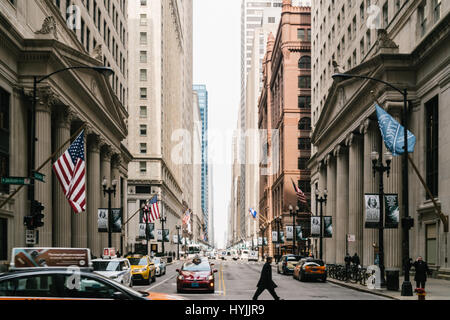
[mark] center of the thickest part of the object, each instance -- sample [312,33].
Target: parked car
[309,268]
[160,266]
[253,256]
[115,269]
[287,263]
[142,268]
[244,255]
[196,275]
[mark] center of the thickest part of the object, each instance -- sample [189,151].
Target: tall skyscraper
[202,94]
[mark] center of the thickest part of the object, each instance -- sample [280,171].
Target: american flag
[300,195]
[151,210]
[187,216]
[71,172]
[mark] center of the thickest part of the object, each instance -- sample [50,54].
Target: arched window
[304,62]
[304,124]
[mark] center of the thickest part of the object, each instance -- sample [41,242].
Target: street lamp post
[178,242]
[294,215]
[407,221]
[103,70]
[377,166]
[162,219]
[278,222]
[321,200]
[109,191]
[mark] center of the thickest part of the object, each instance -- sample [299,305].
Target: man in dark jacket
[355,259]
[265,281]
[422,270]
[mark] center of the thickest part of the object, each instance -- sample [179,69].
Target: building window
[304,102]
[304,143]
[143,38]
[4,138]
[143,3]
[304,62]
[143,148]
[385,15]
[143,21]
[437,10]
[143,130]
[302,163]
[143,74]
[301,34]
[143,167]
[432,146]
[143,93]
[143,112]
[3,239]
[143,190]
[143,56]
[422,19]
[304,82]
[304,124]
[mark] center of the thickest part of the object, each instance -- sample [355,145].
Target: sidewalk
[436,289]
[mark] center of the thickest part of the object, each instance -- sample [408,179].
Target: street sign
[30,237]
[39,176]
[16,180]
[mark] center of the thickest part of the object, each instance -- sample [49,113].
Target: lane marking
[158,284]
[224,288]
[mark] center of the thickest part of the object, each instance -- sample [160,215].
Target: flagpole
[45,162]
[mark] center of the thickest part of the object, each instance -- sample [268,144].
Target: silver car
[160,265]
[118,270]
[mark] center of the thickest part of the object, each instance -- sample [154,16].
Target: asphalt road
[236,280]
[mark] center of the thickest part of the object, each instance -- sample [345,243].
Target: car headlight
[141,270]
[114,276]
[210,278]
[180,277]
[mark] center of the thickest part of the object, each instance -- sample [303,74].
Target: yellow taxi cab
[142,268]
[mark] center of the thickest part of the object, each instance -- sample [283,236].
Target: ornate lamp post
[321,200]
[294,215]
[109,191]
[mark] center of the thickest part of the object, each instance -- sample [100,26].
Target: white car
[160,266]
[253,256]
[118,270]
[244,255]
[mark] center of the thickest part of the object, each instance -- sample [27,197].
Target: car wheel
[324,279]
[301,277]
[154,279]
[148,281]
[131,283]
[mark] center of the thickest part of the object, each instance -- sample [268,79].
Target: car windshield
[138,261]
[293,258]
[108,265]
[190,266]
[314,263]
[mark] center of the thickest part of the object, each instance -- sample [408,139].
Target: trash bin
[392,279]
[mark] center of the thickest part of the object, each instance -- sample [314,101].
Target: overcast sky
[217,65]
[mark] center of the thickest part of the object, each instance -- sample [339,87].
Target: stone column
[43,190]
[356,192]
[330,243]
[341,221]
[370,236]
[80,220]
[105,173]
[94,192]
[62,232]
[393,184]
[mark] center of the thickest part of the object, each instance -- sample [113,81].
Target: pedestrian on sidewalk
[266,282]
[421,268]
[348,261]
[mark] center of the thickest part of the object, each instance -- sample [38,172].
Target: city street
[236,280]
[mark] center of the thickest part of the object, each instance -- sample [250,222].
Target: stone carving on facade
[364,126]
[106,150]
[97,53]
[64,115]
[48,26]
[385,43]
[93,140]
[338,150]
[337,68]
[116,160]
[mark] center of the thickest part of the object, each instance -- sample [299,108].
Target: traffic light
[37,215]
[28,221]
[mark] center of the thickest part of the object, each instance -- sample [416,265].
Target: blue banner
[393,133]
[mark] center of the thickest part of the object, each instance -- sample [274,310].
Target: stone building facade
[408,48]
[286,69]
[36,41]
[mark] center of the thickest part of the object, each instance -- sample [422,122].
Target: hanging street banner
[260,241]
[282,237]
[392,212]
[372,212]
[327,227]
[102,220]
[274,237]
[315,227]
[289,232]
[116,214]
[161,234]
[175,239]
[265,241]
